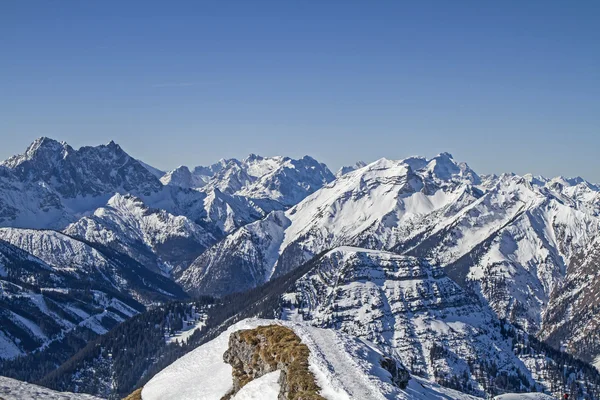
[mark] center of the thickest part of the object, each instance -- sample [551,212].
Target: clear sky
[504,85]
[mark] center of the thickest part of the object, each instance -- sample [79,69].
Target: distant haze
[507,87]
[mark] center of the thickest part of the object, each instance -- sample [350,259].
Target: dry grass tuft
[137,395]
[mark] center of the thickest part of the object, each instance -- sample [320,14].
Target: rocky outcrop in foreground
[255,352]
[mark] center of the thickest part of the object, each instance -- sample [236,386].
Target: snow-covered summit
[274,182]
[88,171]
[183,177]
[349,168]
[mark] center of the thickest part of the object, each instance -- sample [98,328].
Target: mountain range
[431,263]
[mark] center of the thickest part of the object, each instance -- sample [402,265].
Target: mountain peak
[45,149]
[444,167]
[113,145]
[349,168]
[44,143]
[253,157]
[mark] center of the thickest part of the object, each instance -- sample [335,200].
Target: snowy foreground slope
[11,389]
[345,368]
[524,396]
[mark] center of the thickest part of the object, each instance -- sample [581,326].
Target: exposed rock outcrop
[400,375]
[255,352]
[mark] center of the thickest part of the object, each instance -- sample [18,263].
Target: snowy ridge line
[345,368]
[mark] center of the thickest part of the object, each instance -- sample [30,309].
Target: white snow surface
[264,388]
[11,389]
[524,396]
[344,367]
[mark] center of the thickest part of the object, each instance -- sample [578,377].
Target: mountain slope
[572,320]
[11,389]
[413,311]
[335,291]
[96,265]
[375,206]
[40,304]
[345,368]
[153,237]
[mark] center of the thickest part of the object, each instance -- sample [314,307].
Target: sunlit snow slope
[345,368]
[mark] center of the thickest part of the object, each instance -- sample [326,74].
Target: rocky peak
[180,176]
[89,171]
[43,152]
[349,168]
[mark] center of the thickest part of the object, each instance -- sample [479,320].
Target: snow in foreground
[524,396]
[345,368]
[11,389]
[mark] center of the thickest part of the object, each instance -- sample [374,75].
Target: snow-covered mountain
[502,236]
[272,182]
[52,185]
[197,178]
[423,257]
[52,284]
[349,168]
[376,206]
[96,264]
[413,311]
[572,319]
[155,238]
[88,171]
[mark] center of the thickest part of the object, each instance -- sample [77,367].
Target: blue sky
[505,86]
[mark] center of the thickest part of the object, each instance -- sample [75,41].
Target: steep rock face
[572,319]
[196,178]
[32,204]
[229,212]
[153,237]
[414,312]
[283,179]
[403,304]
[182,177]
